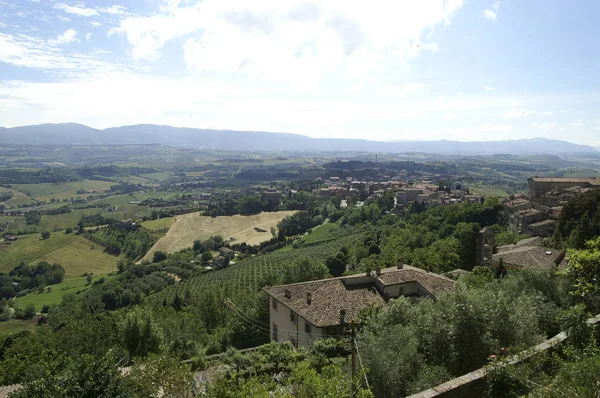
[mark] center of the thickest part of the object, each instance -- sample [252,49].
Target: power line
[361,363]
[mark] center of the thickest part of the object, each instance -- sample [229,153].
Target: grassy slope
[189,227]
[15,326]
[320,232]
[82,256]
[74,253]
[160,223]
[29,248]
[56,293]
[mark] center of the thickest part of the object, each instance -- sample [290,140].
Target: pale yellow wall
[407,290]
[287,330]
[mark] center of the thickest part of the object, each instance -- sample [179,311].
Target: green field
[63,221]
[158,176]
[488,191]
[56,293]
[47,191]
[18,198]
[81,256]
[160,223]
[30,248]
[320,232]
[15,326]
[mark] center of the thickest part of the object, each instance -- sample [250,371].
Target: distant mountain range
[71,133]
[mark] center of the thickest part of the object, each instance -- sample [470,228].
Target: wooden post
[353,341]
[226,325]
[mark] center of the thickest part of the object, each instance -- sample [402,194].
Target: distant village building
[271,196]
[485,247]
[408,195]
[304,312]
[543,228]
[227,252]
[540,185]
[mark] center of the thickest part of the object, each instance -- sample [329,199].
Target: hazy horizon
[415,71]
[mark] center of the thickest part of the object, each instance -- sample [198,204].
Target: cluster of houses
[538,213]
[405,192]
[303,312]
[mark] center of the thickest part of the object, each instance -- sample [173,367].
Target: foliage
[87,376]
[413,343]
[130,239]
[579,220]
[584,270]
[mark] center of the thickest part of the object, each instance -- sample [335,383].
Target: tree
[159,256]
[336,266]
[45,235]
[86,376]
[304,270]
[162,376]
[584,269]
[141,335]
[68,230]
[29,311]
[206,257]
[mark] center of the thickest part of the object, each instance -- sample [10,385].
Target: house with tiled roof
[304,312]
[529,253]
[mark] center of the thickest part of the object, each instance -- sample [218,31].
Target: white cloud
[81,11]
[283,40]
[88,36]
[69,36]
[95,24]
[450,116]
[32,52]
[496,128]
[496,5]
[544,126]
[414,87]
[491,15]
[548,113]
[578,123]
[488,88]
[114,10]
[518,112]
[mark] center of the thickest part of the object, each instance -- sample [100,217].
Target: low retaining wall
[472,385]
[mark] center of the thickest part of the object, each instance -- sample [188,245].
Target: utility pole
[226,325]
[353,360]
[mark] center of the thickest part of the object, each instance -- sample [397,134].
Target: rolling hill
[71,134]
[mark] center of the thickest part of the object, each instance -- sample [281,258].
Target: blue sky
[383,70]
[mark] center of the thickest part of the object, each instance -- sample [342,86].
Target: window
[275,332]
[307,327]
[274,304]
[401,290]
[292,317]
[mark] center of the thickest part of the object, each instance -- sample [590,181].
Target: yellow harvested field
[189,227]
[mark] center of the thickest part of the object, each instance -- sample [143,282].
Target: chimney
[288,294]
[368,271]
[378,271]
[342,316]
[308,298]
[400,265]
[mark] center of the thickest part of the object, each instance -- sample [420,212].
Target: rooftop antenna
[375,158]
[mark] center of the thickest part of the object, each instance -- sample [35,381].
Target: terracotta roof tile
[329,296]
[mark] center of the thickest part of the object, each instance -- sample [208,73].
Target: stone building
[540,185]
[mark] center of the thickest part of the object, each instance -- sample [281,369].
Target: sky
[467,70]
